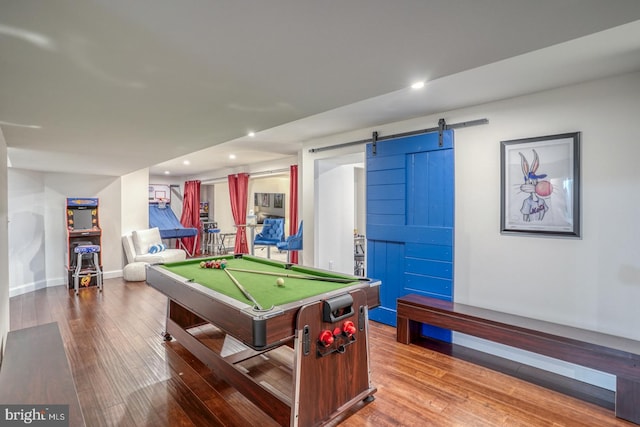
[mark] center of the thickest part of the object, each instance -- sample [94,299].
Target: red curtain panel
[238,188]
[293,207]
[191,215]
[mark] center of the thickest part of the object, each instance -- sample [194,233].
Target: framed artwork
[278,200]
[265,200]
[540,186]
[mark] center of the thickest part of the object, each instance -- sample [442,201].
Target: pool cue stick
[243,290]
[299,276]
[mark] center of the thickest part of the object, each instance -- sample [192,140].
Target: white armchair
[137,245]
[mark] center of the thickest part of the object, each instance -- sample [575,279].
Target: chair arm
[292,243]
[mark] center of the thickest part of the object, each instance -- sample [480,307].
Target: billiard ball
[280,281]
[203,264]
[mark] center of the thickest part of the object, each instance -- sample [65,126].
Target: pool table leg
[328,383]
[166,335]
[183,317]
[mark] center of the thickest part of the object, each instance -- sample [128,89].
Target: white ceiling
[111,86]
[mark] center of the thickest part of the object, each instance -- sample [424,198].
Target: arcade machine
[83,228]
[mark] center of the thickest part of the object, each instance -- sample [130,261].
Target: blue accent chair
[292,243]
[272,233]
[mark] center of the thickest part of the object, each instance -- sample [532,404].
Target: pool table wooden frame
[315,398]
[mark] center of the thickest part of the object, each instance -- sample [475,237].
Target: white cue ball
[280,281]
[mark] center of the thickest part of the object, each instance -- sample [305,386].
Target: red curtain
[293,207]
[238,188]
[191,215]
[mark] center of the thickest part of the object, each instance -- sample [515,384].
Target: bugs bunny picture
[534,207]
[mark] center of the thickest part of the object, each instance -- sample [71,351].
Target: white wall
[593,282]
[37,227]
[221,212]
[27,252]
[335,187]
[312,206]
[360,200]
[4,246]
[135,206]
[37,234]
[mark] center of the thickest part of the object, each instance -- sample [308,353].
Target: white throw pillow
[143,239]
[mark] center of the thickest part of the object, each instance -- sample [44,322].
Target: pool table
[250,329]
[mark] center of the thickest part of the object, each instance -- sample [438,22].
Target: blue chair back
[293,242]
[272,232]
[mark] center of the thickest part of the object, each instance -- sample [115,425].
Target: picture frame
[278,200]
[540,186]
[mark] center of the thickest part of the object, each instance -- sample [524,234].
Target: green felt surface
[262,287]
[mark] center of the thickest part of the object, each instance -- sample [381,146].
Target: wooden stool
[95,271]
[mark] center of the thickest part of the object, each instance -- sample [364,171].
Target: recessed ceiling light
[417,85]
[232,156]
[167,173]
[251,134]
[186,162]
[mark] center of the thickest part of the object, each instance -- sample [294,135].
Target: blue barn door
[410,208]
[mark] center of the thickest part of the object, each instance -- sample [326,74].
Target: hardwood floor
[126,375]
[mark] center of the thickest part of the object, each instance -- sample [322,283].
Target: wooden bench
[35,371]
[607,353]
